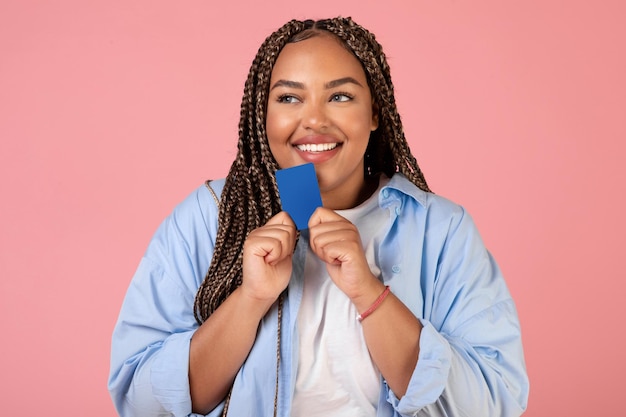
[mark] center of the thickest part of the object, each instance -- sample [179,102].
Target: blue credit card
[299,193]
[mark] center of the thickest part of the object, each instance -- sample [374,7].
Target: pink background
[113,111]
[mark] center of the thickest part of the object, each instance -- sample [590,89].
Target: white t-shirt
[336,375]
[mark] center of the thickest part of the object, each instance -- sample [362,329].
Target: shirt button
[395,269]
[398,210]
[385,192]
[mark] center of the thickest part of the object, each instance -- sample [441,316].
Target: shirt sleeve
[150,344]
[471,360]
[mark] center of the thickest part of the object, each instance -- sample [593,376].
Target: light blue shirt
[470,361]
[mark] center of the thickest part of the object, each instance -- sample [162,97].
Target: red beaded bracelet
[374,306]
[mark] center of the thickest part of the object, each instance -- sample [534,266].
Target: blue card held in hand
[299,193]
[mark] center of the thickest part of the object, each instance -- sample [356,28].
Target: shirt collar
[402,184]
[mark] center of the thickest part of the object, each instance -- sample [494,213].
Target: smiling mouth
[317,147]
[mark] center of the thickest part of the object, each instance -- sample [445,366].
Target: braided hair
[250,195]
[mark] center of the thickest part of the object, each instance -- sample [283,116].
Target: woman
[272,329]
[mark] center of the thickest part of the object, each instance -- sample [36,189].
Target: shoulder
[200,208]
[182,246]
[192,224]
[204,197]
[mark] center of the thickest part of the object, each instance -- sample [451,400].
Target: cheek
[360,123]
[279,130]
[278,127]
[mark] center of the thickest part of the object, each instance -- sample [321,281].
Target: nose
[314,116]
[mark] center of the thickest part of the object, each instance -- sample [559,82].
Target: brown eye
[287,98]
[340,97]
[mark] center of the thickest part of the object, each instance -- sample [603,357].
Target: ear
[374,116]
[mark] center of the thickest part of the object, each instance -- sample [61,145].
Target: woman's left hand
[336,241]
[392,333]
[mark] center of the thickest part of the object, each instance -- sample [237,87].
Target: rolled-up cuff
[430,375]
[170,374]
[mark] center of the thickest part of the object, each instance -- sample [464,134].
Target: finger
[338,250]
[270,249]
[281,218]
[281,232]
[281,227]
[323,215]
[338,244]
[262,246]
[333,228]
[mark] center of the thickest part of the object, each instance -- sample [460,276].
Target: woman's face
[320,110]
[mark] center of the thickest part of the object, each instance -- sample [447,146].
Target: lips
[317,149]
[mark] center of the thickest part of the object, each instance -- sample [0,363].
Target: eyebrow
[330,84]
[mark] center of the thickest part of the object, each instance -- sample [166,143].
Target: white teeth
[317,147]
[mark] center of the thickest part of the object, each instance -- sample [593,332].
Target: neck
[341,201]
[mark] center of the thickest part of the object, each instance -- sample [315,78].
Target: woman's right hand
[222,343]
[267,254]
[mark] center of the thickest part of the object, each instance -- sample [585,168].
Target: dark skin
[346,116]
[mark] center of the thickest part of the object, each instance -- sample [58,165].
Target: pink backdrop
[112,111]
